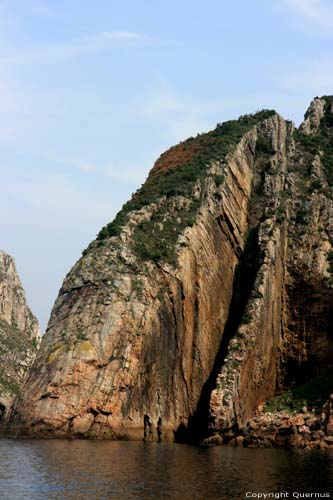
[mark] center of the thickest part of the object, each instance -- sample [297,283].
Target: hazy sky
[91,92]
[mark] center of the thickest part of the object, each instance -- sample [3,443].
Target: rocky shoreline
[283,429]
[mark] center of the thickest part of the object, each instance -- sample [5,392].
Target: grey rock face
[313,117]
[19,331]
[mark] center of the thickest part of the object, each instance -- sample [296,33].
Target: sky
[91,93]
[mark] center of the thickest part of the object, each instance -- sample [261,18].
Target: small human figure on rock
[147,429]
[159,430]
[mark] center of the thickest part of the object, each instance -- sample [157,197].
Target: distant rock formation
[19,332]
[210,292]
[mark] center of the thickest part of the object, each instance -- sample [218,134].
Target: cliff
[19,332]
[285,336]
[208,294]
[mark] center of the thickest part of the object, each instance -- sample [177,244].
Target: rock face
[19,332]
[285,337]
[208,294]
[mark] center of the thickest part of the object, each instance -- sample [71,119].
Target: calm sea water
[82,470]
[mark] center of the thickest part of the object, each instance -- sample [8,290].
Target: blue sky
[91,93]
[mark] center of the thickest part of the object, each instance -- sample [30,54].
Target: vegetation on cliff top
[176,174]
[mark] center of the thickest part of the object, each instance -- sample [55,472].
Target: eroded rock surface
[285,335]
[283,429]
[208,294]
[19,332]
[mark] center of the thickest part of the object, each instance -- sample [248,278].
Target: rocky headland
[209,295]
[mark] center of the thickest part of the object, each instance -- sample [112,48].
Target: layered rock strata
[285,336]
[208,294]
[19,332]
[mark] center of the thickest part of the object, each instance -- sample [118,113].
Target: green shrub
[315,186]
[301,215]
[264,147]
[281,212]
[330,261]
[312,393]
[246,319]
[219,179]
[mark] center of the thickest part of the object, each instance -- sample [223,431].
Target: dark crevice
[2,411]
[94,412]
[245,275]
[308,356]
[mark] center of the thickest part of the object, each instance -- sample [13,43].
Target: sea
[122,470]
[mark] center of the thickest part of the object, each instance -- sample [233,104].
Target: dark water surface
[95,470]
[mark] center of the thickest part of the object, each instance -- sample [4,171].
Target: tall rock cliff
[19,332]
[209,293]
[285,336]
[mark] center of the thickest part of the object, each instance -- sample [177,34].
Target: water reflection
[80,470]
